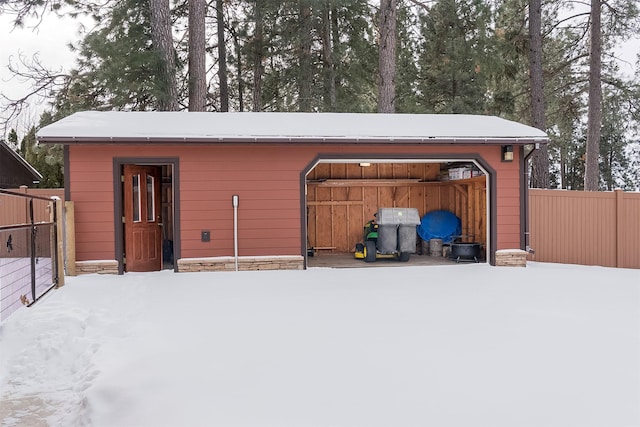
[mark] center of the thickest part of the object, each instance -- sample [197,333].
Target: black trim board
[524,201]
[66,173]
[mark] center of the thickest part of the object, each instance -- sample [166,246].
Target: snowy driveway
[464,345]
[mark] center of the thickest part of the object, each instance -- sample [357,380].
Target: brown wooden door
[142,219]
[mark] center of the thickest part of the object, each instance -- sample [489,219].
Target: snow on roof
[121,126]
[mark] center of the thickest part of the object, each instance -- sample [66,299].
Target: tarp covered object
[441,224]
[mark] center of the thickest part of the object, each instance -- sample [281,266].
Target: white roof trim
[95,126]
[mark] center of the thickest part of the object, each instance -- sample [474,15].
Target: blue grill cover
[442,225]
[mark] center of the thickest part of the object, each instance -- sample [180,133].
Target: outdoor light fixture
[507,153]
[365,164]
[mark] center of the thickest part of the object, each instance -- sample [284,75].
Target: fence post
[32,250]
[619,231]
[23,190]
[59,241]
[70,237]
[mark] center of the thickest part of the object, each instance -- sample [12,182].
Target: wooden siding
[267,179]
[268,184]
[91,190]
[588,228]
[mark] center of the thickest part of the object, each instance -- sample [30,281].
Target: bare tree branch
[22,10]
[43,81]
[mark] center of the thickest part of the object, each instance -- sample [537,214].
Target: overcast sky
[51,38]
[49,41]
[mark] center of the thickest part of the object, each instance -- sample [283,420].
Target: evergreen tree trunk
[197,52]
[387,57]
[328,63]
[305,74]
[591,172]
[163,44]
[258,69]
[335,46]
[540,166]
[608,176]
[563,168]
[239,59]
[222,59]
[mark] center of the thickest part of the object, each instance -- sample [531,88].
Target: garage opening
[343,195]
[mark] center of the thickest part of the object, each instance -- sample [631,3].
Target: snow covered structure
[14,170]
[154,189]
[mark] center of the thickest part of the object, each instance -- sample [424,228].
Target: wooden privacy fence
[584,227]
[15,210]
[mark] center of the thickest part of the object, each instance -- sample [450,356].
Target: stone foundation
[511,258]
[244,263]
[100,267]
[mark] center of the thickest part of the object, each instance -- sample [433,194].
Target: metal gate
[28,255]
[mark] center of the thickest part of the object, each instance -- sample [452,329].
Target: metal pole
[235,201]
[33,252]
[54,255]
[525,201]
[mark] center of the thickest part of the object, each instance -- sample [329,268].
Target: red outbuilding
[200,191]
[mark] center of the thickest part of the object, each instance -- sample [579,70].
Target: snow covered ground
[460,345]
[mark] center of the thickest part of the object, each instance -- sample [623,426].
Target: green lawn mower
[390,235]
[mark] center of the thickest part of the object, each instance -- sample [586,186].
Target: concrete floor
[347,260]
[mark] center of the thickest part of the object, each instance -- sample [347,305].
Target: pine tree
[165,71]
[116,65]
[454,54]
[197,56]
[46,159]
[222,58]
[540,161]
[327,29]
[407,68]
[591,174]
[387,57]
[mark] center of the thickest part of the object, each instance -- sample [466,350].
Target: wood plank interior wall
[342,197]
